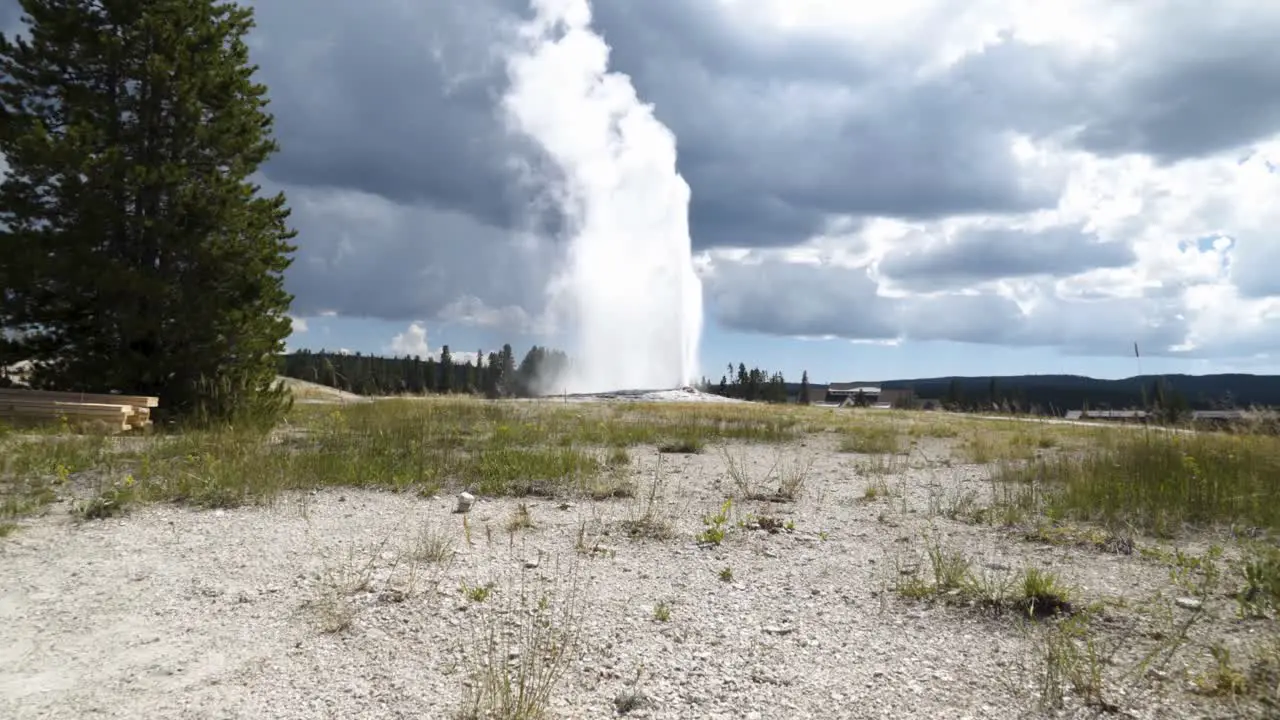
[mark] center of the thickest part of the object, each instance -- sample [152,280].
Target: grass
[662,611]
[648,515]
[1064,486]
[422,446]
[1160,481]
[518,649]
[871,438]
[783,481]
[949,575]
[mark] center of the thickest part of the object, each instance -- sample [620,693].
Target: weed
[646,516]
[950,567]
[433,547]
[517,654]
[618,458]
[1261,575]
[632,698]
[784,481]
[662,611]
[112,501]
[877,489]
[726,574]
[1070,655]
[1043,594]
[476,593]
[350,575]
[715,527]
[953,504]
[1224,679]
[952,578]
[520,519]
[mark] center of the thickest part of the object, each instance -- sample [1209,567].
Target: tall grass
[1160,481]
[494,448]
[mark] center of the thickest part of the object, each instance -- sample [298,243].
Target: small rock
[778,630]
[465,501]
[531,564]
[1188,603]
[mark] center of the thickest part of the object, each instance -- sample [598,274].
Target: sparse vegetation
[716,525]
[871,438]
[1160,481]
[662,611]
[949,575]
[516,654]
[610,471]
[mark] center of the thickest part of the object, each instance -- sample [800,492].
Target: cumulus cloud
[980,254]
[413,343]
[1080,174]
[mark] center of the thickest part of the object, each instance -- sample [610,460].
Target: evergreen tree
[507,372]
[469,371]
[491,376]
[804,388]
[432,371]
[446,370]
[135,255]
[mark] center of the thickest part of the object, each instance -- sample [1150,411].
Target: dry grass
[1086,488]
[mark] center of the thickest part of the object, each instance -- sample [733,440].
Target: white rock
[465,501]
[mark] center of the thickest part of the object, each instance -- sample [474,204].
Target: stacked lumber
[117,413]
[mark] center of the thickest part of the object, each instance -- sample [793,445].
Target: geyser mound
[628,291]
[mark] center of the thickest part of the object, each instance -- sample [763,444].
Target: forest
[499,375]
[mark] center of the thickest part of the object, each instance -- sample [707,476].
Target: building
[1113,415]
[861,394]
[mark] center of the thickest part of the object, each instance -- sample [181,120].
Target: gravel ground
[173,613]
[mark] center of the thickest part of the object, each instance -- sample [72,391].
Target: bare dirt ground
[357,604]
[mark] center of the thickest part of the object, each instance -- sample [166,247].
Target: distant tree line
[1055,395]
[497,375]
[754,384]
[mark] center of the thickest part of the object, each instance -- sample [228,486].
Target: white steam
[628,288]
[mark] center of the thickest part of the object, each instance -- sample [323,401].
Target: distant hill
[1071,392]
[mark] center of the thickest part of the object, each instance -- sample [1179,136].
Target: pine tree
[804,387]
[134,252]
[446,370]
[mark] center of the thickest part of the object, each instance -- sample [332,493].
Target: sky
[879,191]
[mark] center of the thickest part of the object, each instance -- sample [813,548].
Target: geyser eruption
[628,288]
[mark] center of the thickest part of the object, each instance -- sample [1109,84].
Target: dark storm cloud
[366,256]
[1209,82]
[764,296]
[394,100]
[400,101]
[980,254]
[407,186]
[776,135]
[844,302]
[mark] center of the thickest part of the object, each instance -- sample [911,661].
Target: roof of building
[1218,415]
[1114,413]
[853,388]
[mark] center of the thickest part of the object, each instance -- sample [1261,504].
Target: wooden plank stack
[116,413]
